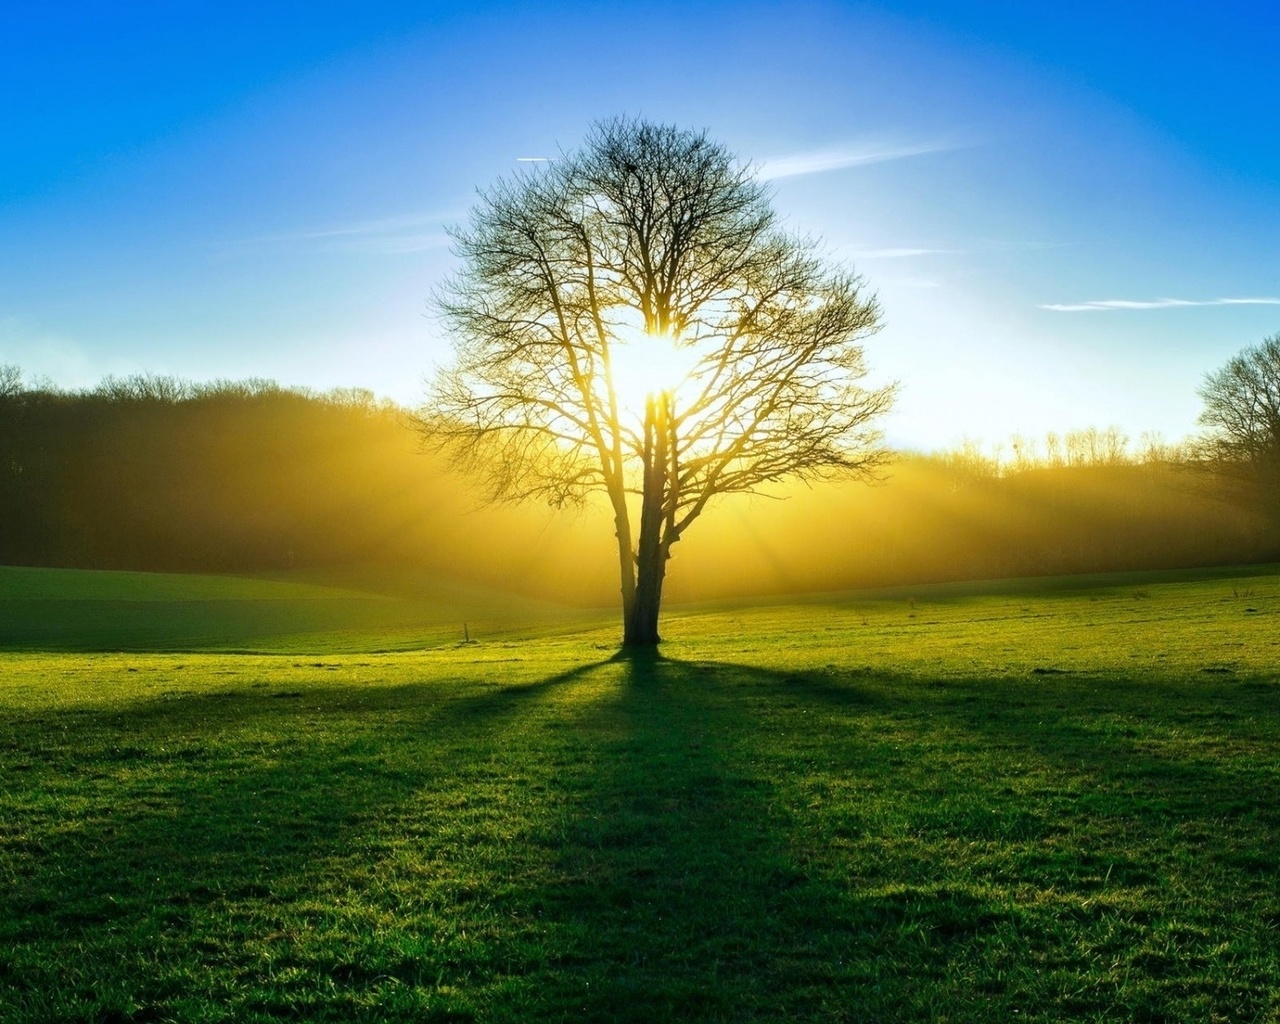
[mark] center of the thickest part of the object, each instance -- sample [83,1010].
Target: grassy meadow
[367,610]
[305,798]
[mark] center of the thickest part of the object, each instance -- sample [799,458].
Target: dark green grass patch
[370,609]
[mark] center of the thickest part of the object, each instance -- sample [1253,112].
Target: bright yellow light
[645,365]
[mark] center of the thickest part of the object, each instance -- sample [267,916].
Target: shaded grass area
[369,609]
[834,814]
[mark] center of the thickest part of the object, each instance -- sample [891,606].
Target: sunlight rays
[642,365]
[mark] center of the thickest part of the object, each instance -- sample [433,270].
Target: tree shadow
[1154,755]
[162,838]
[635,838]
[683,888]
[640,664]
[828,844]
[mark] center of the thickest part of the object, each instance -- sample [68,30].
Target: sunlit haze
[1070,213]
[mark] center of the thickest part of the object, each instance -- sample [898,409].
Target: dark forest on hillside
[156,474]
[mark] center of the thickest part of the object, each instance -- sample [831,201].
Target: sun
[643,365]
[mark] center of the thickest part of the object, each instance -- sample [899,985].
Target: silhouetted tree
[1242,414]
[650,239]
[10,380]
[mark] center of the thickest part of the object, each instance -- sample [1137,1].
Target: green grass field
[370,610]
[1033,800]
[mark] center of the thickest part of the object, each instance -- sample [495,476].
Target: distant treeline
[154,473]
[934,521]
[158,474]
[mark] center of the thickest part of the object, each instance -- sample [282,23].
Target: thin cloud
[386,235]
[1110,304]
[392,244]
[901,253]
[835,158]
[909,282]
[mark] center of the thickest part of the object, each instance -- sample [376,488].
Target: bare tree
[1053,450]
[1025,456]
[649,249]
[1242,414]
[1113,446]
[10,380]
[1076,447]
[144,387]
[967,464]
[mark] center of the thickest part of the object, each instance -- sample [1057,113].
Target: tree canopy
[1242,414]
[631,319]
[1242,404]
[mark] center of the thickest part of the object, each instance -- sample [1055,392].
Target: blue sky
[1063,208]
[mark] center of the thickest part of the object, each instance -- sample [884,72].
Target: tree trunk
[640,626]
[626,562]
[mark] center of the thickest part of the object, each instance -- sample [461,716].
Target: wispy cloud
[900,253]
[406,233]
[908,282]
[834,158]
[1109,304]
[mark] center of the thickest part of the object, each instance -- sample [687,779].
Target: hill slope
[352,610]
